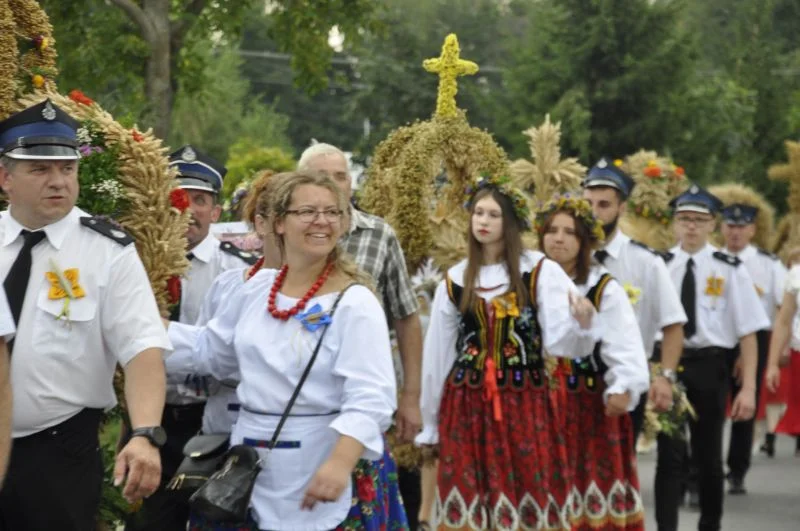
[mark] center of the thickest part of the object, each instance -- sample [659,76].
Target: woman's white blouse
[620,350]
[353,373]
[793,287]
[561,334]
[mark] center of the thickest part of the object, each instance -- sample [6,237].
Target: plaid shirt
[372,244]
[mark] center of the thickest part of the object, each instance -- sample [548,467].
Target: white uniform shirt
[350,391]
[208,261]
[769,277]
[7,327]
[620,350]
[793,287]
[724,316]
[561,334]
[60,367]
[637,267]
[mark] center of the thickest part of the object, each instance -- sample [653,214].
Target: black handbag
[203,455]
[225,497]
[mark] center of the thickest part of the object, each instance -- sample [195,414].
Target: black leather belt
[705,352]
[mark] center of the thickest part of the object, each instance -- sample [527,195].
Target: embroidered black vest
[588,371]
[513,340]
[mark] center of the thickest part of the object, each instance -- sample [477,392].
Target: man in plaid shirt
[374,247]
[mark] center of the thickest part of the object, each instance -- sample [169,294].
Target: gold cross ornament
[449,66]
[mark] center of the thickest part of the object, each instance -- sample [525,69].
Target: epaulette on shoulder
[645,247]
[230,248]
[728,259]
[666,255]
[108,228]
[767,253]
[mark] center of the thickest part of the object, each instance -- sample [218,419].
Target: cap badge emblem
[694,189]
[602,164]
[189,155]
[49,113]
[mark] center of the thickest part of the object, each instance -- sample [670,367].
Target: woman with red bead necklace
[267,330]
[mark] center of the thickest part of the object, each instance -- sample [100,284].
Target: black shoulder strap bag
[225,497]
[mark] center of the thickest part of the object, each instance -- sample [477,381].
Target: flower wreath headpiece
[502,184]
[578,207]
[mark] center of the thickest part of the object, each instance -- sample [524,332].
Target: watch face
[159,435]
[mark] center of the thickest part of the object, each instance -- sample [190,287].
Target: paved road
[772,503]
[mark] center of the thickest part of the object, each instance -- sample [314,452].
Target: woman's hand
[327,484]
[582,310]
[773,378]
[617,404]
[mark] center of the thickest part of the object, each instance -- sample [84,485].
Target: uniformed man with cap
[201,177]
[658,308]
[722,309]
[82,303]
[769,275]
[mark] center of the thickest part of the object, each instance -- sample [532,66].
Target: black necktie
[688,300]
[175,314]
[601,255]
[16,282]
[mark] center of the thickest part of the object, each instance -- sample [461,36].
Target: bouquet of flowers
[669,422]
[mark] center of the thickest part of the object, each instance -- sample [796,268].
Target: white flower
[110,186]
[84,137]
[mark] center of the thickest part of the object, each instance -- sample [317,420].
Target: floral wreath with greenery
[578,207]
[502,184]
[659,173]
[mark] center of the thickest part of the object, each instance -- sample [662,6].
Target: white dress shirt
[721,319]
[639,268]
[350,391]
[769,277]
[61,366]
[622,352]
[561,334]
[7,326]
[207,262]
[792,286]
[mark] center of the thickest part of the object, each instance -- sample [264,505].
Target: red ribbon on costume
[490,390]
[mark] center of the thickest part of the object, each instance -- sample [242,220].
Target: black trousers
[168,510]
[706,377]
[741,444]
[410,483]
[55,478]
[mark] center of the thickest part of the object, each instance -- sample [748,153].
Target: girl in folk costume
[602,387]
[319,481]
[786,333]
[486,401]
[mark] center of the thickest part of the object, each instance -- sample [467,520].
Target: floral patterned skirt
[605,495]
[502,474]
[377,505]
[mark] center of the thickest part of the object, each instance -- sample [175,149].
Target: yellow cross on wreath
[64,285]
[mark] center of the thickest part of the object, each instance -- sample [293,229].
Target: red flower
[79,97]
[366,489]
[137,136]
[680,171]
[179,199]
[174,289]
[652,171]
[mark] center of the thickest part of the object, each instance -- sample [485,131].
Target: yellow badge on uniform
[64,284]
[632,292]
[714,286]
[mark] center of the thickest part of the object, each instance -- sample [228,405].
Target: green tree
[606,68]
[221,112]
[248,156]
[300,27]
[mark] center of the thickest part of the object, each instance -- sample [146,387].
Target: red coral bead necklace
[284,315]
[254,269]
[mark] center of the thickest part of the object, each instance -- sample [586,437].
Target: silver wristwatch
[669,374]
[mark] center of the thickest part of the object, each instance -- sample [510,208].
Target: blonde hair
[315,150]
[280,200]
[257,200]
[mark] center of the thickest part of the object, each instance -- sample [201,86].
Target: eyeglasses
[309,215]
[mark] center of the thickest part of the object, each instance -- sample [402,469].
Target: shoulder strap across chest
[596,292]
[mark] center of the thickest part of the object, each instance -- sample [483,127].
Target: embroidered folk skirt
[377,505]
[790,423]
[508,473]
[605,493]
